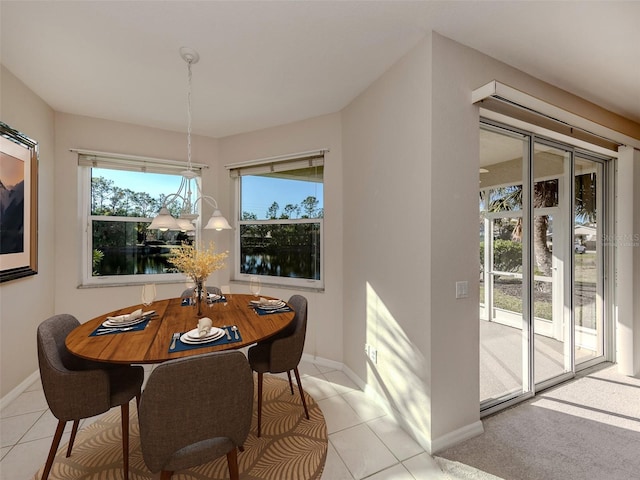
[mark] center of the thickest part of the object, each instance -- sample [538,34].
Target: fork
[113,330]
[174,338]
[278,310]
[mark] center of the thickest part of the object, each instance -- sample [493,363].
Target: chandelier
[185,222]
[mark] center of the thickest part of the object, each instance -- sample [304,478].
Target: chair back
[70,392]
[286,350]
[188,293]
[190,400]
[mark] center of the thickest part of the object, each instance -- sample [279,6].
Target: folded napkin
[267,301]
[129,317]
[204,326]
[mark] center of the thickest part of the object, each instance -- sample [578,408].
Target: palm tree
[545,194]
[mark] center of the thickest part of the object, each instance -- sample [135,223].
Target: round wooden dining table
[152,344]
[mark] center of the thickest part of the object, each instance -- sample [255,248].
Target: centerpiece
[197,264]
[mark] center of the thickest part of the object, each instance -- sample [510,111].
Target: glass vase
[198,291]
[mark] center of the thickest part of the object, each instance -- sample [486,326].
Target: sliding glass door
[504,330]
[541,267]
[588,261]
[551,257]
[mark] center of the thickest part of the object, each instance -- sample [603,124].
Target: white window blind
[284,163]
[116,161]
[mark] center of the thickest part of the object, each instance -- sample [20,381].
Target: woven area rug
[290,447]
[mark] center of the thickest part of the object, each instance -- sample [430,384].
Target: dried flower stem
[195,263]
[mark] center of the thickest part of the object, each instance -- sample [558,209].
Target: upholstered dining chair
[282,353]
[188,293]
[194,410]
[77,389]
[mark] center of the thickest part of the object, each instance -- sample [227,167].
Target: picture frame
[18,204]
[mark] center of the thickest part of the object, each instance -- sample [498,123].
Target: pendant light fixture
[164,220]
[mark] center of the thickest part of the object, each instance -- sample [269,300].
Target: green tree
[310,207]
[272,213]
[100,193]
[291,211]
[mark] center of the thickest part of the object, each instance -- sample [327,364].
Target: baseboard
[453,438]
[430,446]
[15,393]
[322,361]
[353,377]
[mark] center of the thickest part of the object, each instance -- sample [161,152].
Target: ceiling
[268,63]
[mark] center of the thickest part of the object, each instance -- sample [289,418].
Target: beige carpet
[290,447]
[588,428]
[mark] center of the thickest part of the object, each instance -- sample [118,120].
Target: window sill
[297,288]
[83,286]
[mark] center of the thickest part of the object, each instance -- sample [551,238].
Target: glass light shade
[164,221]
[217,222]
[186,225]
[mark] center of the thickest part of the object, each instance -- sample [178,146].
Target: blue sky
[258,192]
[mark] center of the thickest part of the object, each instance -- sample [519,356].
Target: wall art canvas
[18,204]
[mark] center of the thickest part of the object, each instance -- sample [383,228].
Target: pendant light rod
[164,220]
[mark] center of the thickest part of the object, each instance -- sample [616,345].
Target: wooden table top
[151,345]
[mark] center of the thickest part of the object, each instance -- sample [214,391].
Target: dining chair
[75,388]
[194,410]
[188,293]
[282,353]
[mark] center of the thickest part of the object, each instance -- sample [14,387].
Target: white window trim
[277,163]
[130,163]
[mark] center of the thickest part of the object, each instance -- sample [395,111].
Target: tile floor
[364,442]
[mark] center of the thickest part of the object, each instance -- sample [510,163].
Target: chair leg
[138,401]
[290,382]
[232,461]
[304,402]
[165,475]
[259,401]
[125,438]
[54,447]
[74,430]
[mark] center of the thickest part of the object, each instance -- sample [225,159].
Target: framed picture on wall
[18,204]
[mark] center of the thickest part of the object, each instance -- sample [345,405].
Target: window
[280,218]
[119,198]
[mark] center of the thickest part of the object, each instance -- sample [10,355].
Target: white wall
[627,243]
[25,302]
[324,330]
[387,210]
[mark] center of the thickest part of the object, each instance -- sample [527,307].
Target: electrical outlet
[462,289]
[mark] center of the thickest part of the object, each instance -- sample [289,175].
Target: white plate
[213,297]
[195,335]
[142,318]
[275,306]
[192,336]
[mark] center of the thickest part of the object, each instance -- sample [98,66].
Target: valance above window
[117,161]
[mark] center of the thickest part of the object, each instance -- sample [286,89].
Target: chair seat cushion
[125,383]
[199,453]
[259,357]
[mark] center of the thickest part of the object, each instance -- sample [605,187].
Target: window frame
[236,173]
[127,163]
